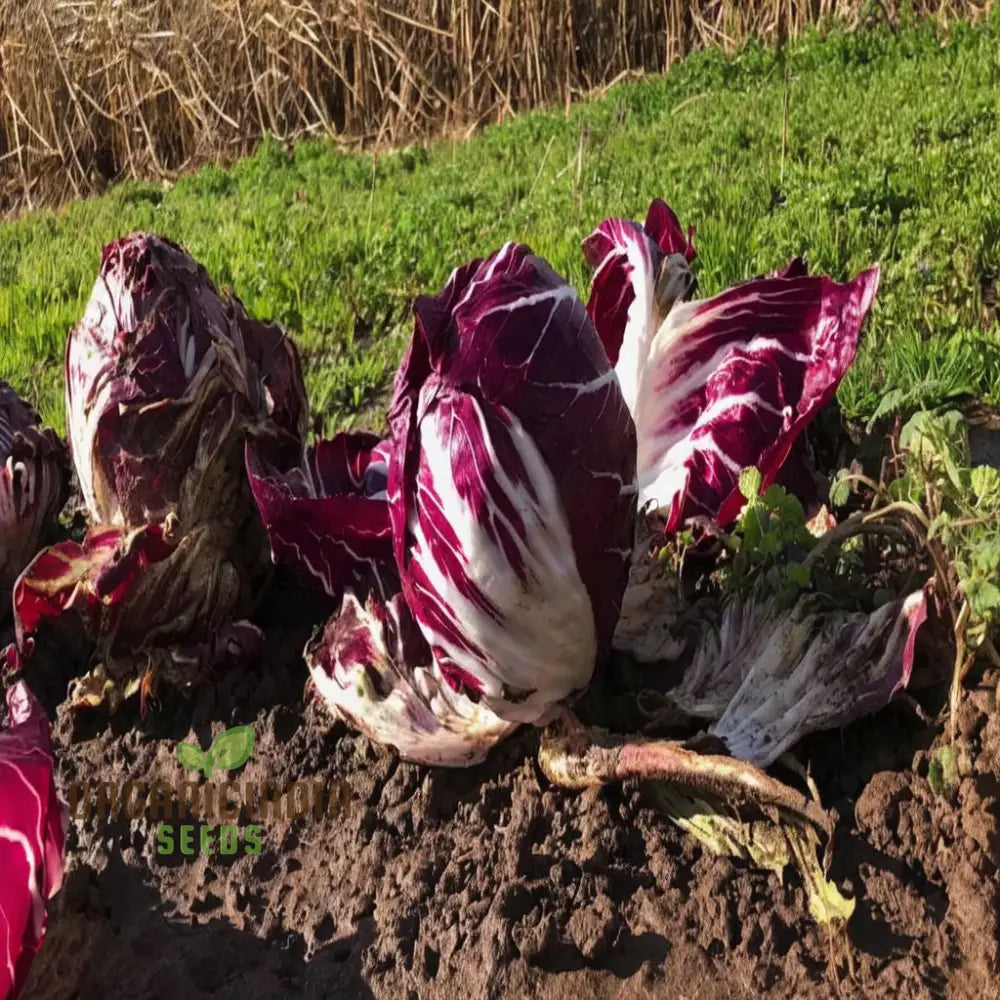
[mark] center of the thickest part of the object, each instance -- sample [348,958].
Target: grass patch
[891,154]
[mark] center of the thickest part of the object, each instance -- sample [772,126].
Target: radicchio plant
[485,544]
[721,384]
[165,379]
[32,837]
[33,486]
[717,386]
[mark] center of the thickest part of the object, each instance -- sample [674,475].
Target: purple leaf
[328,517]
[34,484]
[665,229]
[719,384]
[33,826]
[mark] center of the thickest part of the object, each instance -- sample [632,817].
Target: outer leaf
[373,667]
[511,484]
[33,827]
[776,675]
[91,578]
[33,486]
[622,303]
[720,384]
[232,748]
[133,592]
[327,516]
[733,380]
[652,612]
[665,229]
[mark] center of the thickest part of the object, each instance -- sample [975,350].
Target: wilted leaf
[710,796]
[768,843]
[767,675]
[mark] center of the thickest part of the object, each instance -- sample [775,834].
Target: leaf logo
[229,750]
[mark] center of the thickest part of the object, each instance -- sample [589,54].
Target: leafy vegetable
[33,826]
[165,380]
[511,485]
[33,486]
[510,501]
[721,384]
[160,367]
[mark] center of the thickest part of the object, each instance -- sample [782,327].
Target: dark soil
[489,882]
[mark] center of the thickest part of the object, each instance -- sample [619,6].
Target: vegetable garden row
[565,486]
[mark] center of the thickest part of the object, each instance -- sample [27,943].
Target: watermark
[204,816]
[229,750]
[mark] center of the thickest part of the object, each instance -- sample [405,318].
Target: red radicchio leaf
[34,484]
[328,517]
[374,668]
[32,837]
[93,578]
[719,384]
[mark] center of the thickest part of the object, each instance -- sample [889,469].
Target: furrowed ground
[889,152]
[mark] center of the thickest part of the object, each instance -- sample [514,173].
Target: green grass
[892,155]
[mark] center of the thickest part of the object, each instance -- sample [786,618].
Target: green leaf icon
[193,759]
[232,748]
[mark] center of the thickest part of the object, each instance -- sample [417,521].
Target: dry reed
[96,90]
